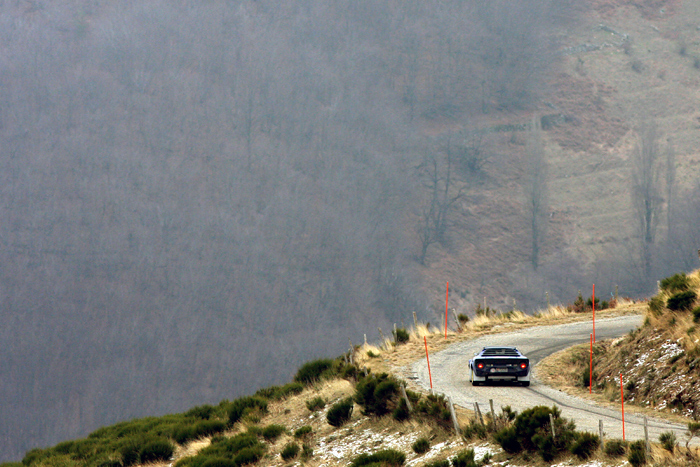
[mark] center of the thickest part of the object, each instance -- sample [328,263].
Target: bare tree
[536,190]
[646,190]
[442,193]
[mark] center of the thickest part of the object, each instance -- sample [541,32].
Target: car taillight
[480,365]
[523,365]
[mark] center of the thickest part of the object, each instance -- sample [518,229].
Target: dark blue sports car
[500,364]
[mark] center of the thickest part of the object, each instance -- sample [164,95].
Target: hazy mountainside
[197,198]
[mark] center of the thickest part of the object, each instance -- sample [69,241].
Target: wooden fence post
[405,396]
[601,433]
[551,423]
[493,414]
[454,416]
[478,413]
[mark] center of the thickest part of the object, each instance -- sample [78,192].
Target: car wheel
[476,383]
[525,383]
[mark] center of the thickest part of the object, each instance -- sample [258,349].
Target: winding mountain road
[450,374]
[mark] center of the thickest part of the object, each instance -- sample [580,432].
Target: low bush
[464,459]
[474,430]
[681,301]
[675,283]
[307,452]
[401,412]
[668,441]
[401,336]
[290,451]
[585,445]
[185,432]
[435,407]
[376,394]
[130,453]
[340,412]
[637,453]
[586,375]
[272,432]
[508,439]
[656,305]
[156,450]
[302,431]
[531,431]
[615,448]
[313,371]
[203,411]
[244,405]
[281,392]
[696,314]
[249,455]
[317,403]
[421,446]
[387,458]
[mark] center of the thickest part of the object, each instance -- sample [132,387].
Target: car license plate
[499,370]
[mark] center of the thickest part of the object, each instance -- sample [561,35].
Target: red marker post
[590,376]
[622,399]
[428,360]
[447,296]
[593,300]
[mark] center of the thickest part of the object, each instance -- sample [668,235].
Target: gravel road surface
[450,374]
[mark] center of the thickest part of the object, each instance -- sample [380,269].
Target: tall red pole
[447,296]
[593,300]
[622,398]
[428,360]
[590,376]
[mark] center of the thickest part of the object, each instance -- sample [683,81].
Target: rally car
[499,364]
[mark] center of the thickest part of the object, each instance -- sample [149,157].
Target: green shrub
[376,394]
[302,431]
[290,451]
[435,407]
[307,452]
[229,447]
[387,458]
[401,336]
[604,305]
[508,439]
[421,446]
[463,318]
[34,455]
[438,463]
[696,314]
[156,450]
[249,455]
[586,375]
[340,412]
[185,433]
[272,432]
[681,301]
[532,432]
[281,392]
[401,412]
[313,371]
[615,448]
[244,405]
[656,305]
[464,459]
[668,441]
[130,453]
[317,403]
[216,462]
[637,453]
[203,411]
[474,430]
[106,463]
[675,283]
[585,445]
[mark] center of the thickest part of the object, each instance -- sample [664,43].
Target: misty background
[197,197]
